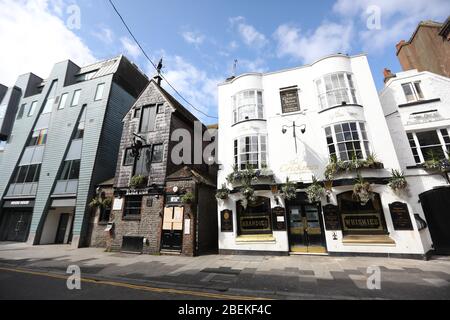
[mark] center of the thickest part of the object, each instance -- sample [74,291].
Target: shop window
[105,214]
[428,145]
[361,219]
[347,140]
[336,89]
[250,152]
[255,218]
[148,119]
[133,206]
[248,105]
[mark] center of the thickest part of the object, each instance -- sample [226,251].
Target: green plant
[289,190]
[138,181]
[249,175]
[188,198]
[315,191]
[397,181]
[100,202]
[362,190]
[223,193]
[336,166]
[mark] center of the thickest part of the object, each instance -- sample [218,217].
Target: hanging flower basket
[188,198]
[223,193]
[289,190]
[362,191]
[99,202]
[138,181]
[398,181]
[335,167]
[315,191]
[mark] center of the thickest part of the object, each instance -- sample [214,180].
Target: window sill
[131,218]
[243,121]
[383,240]
[341,106]
[418,102]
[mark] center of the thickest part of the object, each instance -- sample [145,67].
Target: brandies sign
[400,216]
[255,223]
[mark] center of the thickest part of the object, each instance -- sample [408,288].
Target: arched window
[359,219]
[255,218]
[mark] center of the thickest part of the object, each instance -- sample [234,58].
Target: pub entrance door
[172,231]
[436,204]
[305,229]
[16,225]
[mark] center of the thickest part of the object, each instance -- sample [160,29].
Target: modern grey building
[63,136]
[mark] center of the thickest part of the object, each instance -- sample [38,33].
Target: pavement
[25,269]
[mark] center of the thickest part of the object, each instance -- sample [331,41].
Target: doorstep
[170,252]
[367,240]
[257,238]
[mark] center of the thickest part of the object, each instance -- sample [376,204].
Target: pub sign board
[226,221]
[289,100]
[279,219]
[400,216]
[332,218]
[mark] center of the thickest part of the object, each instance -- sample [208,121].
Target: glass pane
[408,92]
[76,98]
[157,153]
[75,170]
[99,93]
[418,89]
[428,138]
[62,102]
[65,171]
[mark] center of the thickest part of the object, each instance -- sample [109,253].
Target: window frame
[21,111]
[258,106]
[417,95]
[237,154]
[152,109]
[63,101]
[443,144]
[324,94]
[69,170]
[77,94]
[363,139]
[103,87]
[127,209]
[32,109]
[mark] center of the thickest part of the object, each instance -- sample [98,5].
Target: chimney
[388,75]
[400,45]
[158,79]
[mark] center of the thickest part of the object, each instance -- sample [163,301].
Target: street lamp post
[294,127]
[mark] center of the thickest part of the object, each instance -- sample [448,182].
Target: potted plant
[138,181]
[398,181]
[315,191]
[100,202]
[362,190]
[289,190]
[223,193]
[187,198]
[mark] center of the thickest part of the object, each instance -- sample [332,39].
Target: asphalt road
[33,285]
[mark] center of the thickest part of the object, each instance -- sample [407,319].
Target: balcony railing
[22,189]
[66,187]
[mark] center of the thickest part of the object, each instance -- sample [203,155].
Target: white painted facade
[426,111]
[313,155]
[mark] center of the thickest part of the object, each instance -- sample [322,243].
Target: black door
[436,206]
[62,228]
[172,230]
[16,226]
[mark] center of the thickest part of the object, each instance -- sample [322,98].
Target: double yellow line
[139,287]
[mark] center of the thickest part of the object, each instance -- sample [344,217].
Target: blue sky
[200,39]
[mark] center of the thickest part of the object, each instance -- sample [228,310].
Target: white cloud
[104,34]
[193,37]
[131,48]
[398,18]
[197,86]
[248,33]
[256,65]
[34,39]
[328,38]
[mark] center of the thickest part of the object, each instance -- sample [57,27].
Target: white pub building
[306,160]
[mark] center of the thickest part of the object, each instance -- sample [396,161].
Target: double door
[16,225]
[305,229]
[172,231]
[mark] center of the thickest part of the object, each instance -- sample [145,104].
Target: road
[33,285]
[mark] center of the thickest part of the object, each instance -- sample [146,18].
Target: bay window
[336,89]
[428,145]
[347,140]
[248,105]
[250,152]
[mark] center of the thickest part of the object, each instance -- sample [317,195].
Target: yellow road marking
[139,287]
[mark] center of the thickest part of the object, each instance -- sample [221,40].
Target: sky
[199,40]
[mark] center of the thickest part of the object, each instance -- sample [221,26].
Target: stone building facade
[140,213]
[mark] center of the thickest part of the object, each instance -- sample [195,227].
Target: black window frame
[132,211]
[67,170]
[21,111]
[160,145]
[128,156]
